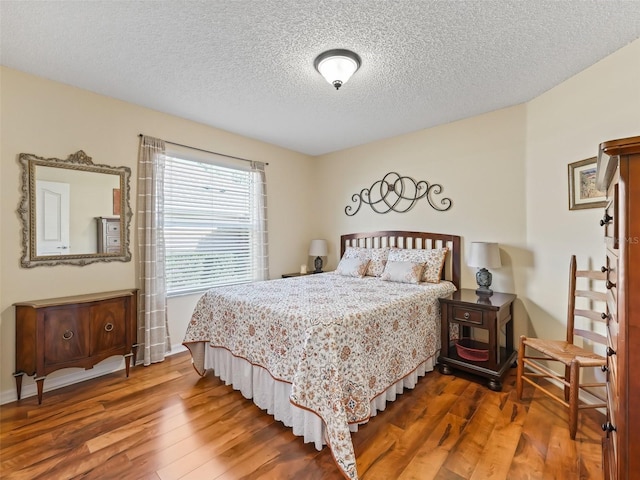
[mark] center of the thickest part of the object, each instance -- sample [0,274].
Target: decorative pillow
[434,265]
[377,257]
[403,272]
[352,267]
[432,258]
[407,255]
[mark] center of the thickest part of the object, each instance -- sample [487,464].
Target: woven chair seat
[566,352]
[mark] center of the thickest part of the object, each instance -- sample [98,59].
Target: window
[214,228]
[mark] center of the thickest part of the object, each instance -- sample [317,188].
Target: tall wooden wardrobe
[619,174]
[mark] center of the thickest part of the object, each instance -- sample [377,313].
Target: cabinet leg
[127,362]
[445,369]
[18,377]
[495,385]
[134,349]
[40,386]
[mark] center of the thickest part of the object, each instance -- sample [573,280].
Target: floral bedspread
[340,341]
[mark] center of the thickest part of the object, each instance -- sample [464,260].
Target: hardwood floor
[165,422]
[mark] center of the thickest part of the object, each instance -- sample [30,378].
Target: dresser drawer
[610,218]
[613,328]
[613,435]
[612,266]
[608,458]
[612,308]
[108,331]
[612,384]
[612,275]
[610,224]
[612,406]
[113,241]
[469,316]
[66,336]
[113,228]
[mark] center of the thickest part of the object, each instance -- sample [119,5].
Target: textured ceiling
[247,66]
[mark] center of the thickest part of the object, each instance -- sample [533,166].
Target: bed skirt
[255,383]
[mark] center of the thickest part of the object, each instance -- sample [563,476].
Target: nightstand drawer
[467,315]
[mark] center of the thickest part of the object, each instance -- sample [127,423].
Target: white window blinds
[215,230]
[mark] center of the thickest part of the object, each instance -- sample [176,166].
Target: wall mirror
[73,212]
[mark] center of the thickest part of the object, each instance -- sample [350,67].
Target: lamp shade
[484,255]
[318,248]
[337,66]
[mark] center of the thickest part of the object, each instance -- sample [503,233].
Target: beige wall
[480,163]
[49,119]
[564,125]
[505,171]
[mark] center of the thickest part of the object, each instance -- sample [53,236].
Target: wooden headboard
[400,239]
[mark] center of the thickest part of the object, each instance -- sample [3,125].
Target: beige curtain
[260,244]
[153,331]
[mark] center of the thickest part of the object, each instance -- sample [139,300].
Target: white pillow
[352,267]
[403,272]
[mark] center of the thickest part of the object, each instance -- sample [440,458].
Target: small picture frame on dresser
[582,186]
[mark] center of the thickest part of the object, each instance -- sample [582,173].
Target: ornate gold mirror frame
[90,193]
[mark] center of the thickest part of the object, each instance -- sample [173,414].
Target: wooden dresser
[77,331]
[109,235]
[619,174]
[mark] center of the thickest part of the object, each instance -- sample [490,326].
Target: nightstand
[485,329]
[295,274]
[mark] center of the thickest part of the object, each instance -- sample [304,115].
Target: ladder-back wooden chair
[535,352]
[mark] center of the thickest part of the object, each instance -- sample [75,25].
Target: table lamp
[484,255]
[318,248]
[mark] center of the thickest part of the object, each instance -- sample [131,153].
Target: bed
[324,353]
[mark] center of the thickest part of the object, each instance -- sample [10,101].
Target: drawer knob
[606,219]
[604,316]
[67,335]
[466,315]
[608,427]
[108,327]
[604,269]
[610,352]
[610,285]
[604,368]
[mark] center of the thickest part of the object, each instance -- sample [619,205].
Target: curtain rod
[207,151]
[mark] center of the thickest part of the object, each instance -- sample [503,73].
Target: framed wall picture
[116,201]
[582,186]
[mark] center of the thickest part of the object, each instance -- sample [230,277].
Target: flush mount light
[337,66]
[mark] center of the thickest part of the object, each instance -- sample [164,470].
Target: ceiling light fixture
[337,66]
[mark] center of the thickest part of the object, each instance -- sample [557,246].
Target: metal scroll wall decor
[395,193]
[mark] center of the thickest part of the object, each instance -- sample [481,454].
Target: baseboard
[74,375]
